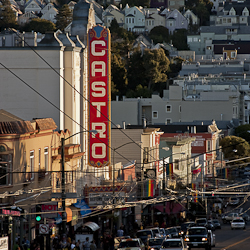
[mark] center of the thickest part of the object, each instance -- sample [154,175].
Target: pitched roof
[16,127]
[5,116]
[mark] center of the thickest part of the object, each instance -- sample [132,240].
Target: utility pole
[63,188]
[164,186]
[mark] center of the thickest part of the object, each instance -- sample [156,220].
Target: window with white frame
[168,121]
[46,158]
[189,39]
[233,54]
[32,165]
[168,108]
[155,114]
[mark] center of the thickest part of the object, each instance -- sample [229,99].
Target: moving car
[156,231]
[173,231]
[246,217]
[144,234]
[185,226]
[228,217]
[173,244]
[238,223]
[117,240]
[199,237]
[209,225]
[216,223]
[154,243]
[201,222]
[131,244]
[164,233]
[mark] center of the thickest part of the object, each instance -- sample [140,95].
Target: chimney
[124,124]
[144,123]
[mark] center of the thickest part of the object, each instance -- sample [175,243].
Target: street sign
[44,229]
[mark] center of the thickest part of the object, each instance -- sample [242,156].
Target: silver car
[173,244]
[238,223]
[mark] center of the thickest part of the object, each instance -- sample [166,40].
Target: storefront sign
[4,243]
[99,95]
[49,210]
[11,212]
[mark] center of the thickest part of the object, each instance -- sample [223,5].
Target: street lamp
[63,175]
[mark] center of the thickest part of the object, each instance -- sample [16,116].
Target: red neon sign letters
[99,95]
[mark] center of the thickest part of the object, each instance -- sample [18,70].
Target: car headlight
[152,249]
[204,239]
[186,239]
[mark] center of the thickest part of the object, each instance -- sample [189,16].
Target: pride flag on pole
[169,170]
[150,188]
[225,172]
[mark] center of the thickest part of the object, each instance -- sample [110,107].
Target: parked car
[216,223]
[173,244]
[128,244]
[144,234]
[238,223]
[154,243]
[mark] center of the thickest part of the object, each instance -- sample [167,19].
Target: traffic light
[38,213]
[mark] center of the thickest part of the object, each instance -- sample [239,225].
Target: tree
[40,25]
[235,147]
[159,34]
[179,39]
[64,17]
[243,131]
[118,76]
[139,91]
[8,17]
[156,65]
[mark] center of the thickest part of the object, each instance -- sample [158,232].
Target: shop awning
[170,208]
[92,225]
[72,214]
[84,208]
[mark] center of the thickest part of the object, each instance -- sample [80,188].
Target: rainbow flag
[150,188]
[225,172]
[169,170]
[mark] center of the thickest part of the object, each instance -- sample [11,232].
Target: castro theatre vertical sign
[99,95]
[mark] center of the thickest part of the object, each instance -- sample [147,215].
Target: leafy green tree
[201,8]
[139,91]
[64,17]
[243,131]
[179,39]
[156,65]
[159,34]
[40,25]
[8,17]
[118,76]
[235,147]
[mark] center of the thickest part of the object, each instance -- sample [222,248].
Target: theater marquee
[99,95]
